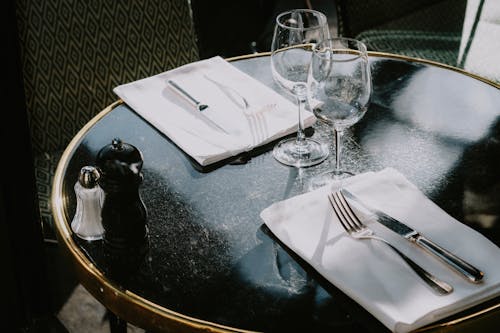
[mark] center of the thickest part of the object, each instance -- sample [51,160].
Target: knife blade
[470,272]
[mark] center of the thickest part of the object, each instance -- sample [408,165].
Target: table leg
[116,324]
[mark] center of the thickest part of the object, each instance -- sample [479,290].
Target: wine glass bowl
[338,90]
[295,34]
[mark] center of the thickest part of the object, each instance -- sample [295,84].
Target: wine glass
[339,88]
[295,33]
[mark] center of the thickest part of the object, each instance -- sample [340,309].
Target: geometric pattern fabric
[74,52]
[428,29]
[440,47]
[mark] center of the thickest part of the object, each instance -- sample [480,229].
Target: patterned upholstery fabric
[428,29]
[440,47]
[73,52]
[45,167]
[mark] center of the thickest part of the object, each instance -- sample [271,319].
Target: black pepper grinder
[124,215]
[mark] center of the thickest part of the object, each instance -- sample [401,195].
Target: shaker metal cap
[89,176]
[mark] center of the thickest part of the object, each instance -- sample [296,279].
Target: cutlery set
[255,118]
[357,229]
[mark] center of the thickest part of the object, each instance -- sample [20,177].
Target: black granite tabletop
[211,258]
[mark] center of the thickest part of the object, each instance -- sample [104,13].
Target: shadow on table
[284,294]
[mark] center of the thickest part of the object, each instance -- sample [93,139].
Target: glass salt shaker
[87,223]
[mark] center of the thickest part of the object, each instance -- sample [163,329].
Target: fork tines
[344,213]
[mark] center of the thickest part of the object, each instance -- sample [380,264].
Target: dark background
[24,273]
[230,28]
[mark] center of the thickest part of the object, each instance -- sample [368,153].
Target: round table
[213,266]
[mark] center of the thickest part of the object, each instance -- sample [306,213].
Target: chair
[427,29]
[74,52]
[480,43]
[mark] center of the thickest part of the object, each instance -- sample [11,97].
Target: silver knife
[197,104]
[467,270]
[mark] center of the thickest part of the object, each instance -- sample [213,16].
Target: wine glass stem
[338,148]
[301,137]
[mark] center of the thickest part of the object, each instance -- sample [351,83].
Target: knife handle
[470,272]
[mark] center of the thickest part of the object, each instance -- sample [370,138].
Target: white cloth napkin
[370,272]
[269,115]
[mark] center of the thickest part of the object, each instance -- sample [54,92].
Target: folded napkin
[220,85]
[370,272]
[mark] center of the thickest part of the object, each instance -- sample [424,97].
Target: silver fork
[258,123]
[255,118]
[355,228]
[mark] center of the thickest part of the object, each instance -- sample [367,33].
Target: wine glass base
[327,178]
[309,152]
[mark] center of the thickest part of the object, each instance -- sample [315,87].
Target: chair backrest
[356,16]
[429,29]
[480,44]
[73,52]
